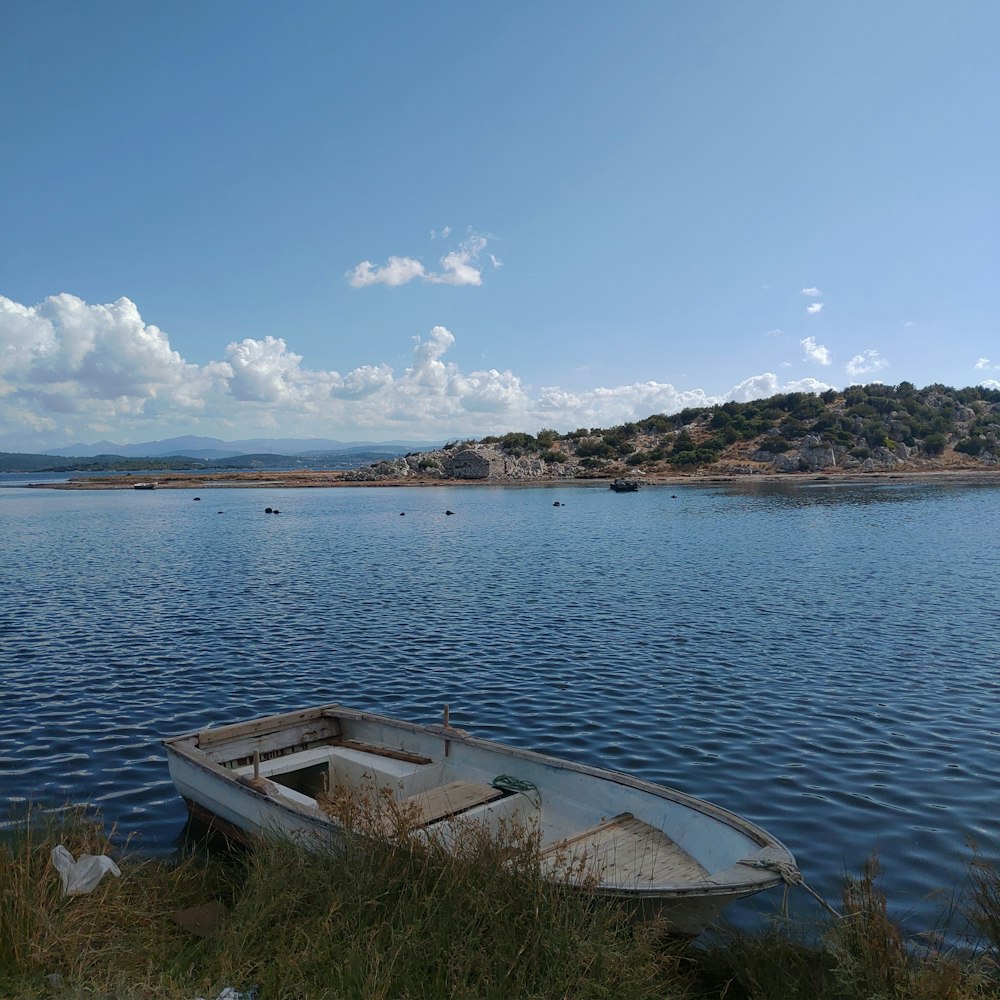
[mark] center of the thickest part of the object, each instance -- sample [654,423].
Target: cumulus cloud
[71,371]
[768,384]
[398,271]
[265,371]
[866,363]
[990,383]
[457,267]
[815,352]
[984,364]
[460,267]
[65,356]
[812,292]
[814,308]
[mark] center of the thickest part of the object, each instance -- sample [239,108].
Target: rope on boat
[791,876]
[508,783]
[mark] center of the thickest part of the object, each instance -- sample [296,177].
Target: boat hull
[649,846]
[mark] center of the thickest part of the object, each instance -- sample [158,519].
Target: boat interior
[431,785]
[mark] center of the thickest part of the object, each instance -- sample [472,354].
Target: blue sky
[423,221]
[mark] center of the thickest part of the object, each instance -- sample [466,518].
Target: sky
[398,221]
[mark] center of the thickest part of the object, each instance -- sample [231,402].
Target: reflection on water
[818,658]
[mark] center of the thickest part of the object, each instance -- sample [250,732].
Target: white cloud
[458,267]
[768,384]
[265,371]
[811,292]
[814,308]
[990,383]
[70,371]
[398,271]
[815,352]
[66,356]
[776,332]
[984,364]
[865,363]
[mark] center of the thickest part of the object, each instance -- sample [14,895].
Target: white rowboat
[634,840]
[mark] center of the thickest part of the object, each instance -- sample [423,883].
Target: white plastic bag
[80,877]
[228,993]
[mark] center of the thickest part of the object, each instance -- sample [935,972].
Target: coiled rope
[508,783]
[791,876]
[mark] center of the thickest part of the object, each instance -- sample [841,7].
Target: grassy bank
[389,920]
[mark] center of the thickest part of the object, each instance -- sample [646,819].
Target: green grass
[393,918]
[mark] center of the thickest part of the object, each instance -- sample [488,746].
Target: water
[819,658]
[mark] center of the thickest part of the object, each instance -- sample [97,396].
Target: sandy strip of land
[311,479]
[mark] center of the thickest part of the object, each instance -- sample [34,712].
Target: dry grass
[403,917]
[382,918]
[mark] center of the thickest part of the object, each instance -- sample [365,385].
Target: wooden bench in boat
[423,808]
[444,801]
[627,851]
[380,751]
[417,811]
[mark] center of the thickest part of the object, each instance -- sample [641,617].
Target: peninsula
[857,433]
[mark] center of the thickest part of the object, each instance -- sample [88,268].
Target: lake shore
[313,479]
[390,917]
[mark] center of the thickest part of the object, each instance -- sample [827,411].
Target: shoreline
[310,479]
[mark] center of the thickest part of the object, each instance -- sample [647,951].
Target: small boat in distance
[144,486]
[625,838]
[624,485]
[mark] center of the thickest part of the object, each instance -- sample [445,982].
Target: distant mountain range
[213,449]
[206,453]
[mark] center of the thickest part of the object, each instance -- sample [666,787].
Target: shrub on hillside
[934,444]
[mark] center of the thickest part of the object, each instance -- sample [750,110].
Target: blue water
[820,658]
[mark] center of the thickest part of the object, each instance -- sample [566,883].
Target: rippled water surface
[822,659]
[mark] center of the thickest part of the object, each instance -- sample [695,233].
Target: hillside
[350,458]
[874,428]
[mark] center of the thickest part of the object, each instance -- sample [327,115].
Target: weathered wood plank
[260,727]
[627,851]
[448,800]
[591,831]
[380,751]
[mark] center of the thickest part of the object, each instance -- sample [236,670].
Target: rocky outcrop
[472,463]
[876,428]
[811,455]
[882,460]
[476,463]
[816,453]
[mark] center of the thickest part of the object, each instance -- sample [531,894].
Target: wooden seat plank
[381,751]
[627,851]
[448,800]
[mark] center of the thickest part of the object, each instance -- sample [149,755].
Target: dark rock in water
[402,513]
[624,485]
[197,498]
[275,511]
[449,512]
[220,511]
[268,510]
